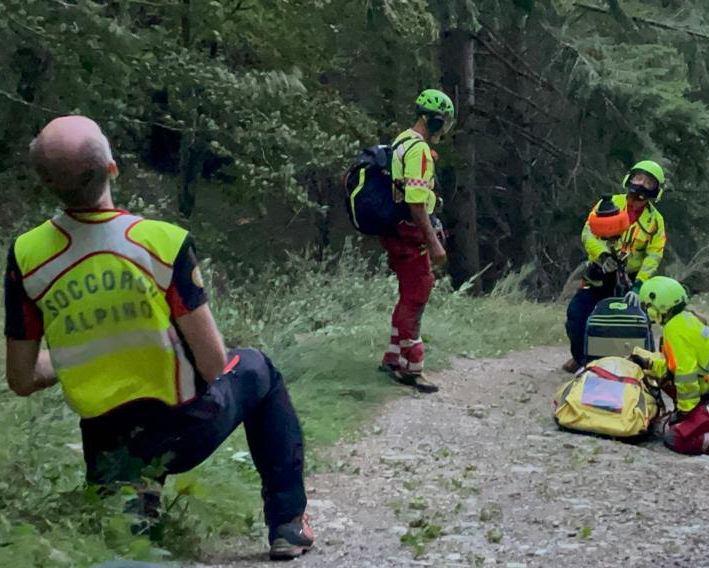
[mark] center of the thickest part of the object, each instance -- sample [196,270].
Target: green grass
[325,325]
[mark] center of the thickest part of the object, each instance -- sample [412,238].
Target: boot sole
[427,389]
[394,374]
[281,549]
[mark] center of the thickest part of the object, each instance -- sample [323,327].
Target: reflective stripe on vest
[114,343]
[86,239]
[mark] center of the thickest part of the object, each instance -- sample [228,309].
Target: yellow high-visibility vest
[100,281]
[643,242]
[685,345]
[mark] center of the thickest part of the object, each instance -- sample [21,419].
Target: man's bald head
[73,158]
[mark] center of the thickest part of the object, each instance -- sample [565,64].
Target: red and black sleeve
[186,292]
[23,318]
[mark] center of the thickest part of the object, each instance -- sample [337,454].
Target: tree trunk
[186,24]
[460,205]
[521,158]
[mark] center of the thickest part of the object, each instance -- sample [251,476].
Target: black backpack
[369,190]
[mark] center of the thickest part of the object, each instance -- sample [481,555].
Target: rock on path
[478,475]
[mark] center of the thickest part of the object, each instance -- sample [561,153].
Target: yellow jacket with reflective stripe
[417,169]
[100,282]
[644,241]
[685,346]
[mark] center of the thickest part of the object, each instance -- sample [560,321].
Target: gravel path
[478,475]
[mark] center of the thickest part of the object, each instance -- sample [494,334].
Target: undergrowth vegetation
[325,324]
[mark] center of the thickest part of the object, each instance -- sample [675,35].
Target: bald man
[132,341]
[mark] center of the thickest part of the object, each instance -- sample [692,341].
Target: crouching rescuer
[618,262]
[683,363]
[414,244]
[132,341]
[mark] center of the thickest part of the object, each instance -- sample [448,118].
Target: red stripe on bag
[231,364]
[606,374]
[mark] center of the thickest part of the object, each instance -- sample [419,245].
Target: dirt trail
[479,475]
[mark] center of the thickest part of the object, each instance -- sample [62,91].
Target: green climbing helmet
[663,298]
[438,109]
[652,169]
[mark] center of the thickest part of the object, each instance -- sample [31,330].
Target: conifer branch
[538,79]
[125,119]
[517,95]
[645,21]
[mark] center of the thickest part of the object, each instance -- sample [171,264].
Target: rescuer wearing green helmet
[684,362]
[640,247]
[414,243]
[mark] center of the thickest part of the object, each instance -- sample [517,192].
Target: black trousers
[148,439]
[580,308]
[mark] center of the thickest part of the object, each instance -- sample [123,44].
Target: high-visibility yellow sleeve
[654,252]
[419,172]
[682,361]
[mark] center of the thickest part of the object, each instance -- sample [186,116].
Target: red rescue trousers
[410,261]
[691,435]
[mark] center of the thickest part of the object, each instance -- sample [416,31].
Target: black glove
[438,228]
[677,416]
[641,362]
[607,263]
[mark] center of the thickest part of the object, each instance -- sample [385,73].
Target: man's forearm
[28,368]
[44,374]
[203,337]
[423,221]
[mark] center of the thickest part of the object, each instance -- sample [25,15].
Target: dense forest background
[239,116]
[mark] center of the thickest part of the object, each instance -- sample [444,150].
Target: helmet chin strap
[662,319]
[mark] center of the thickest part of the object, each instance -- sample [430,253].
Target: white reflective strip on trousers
[87,239]
[407,365]
[410,342]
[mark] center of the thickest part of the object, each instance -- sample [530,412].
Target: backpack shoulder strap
[400,142]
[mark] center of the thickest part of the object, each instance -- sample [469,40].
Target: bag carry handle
[606,374]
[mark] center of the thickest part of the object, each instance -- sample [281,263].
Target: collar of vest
[88,238]
[94,215]
[647,221]
[413,134]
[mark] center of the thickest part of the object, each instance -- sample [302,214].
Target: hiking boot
[145,510]
[416,380]
[291,540]
[571,366]
[390,368]
[422,384]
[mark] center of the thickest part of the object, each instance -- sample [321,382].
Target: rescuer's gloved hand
[641,362]
[607,263]
[632,298]
[677,416]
